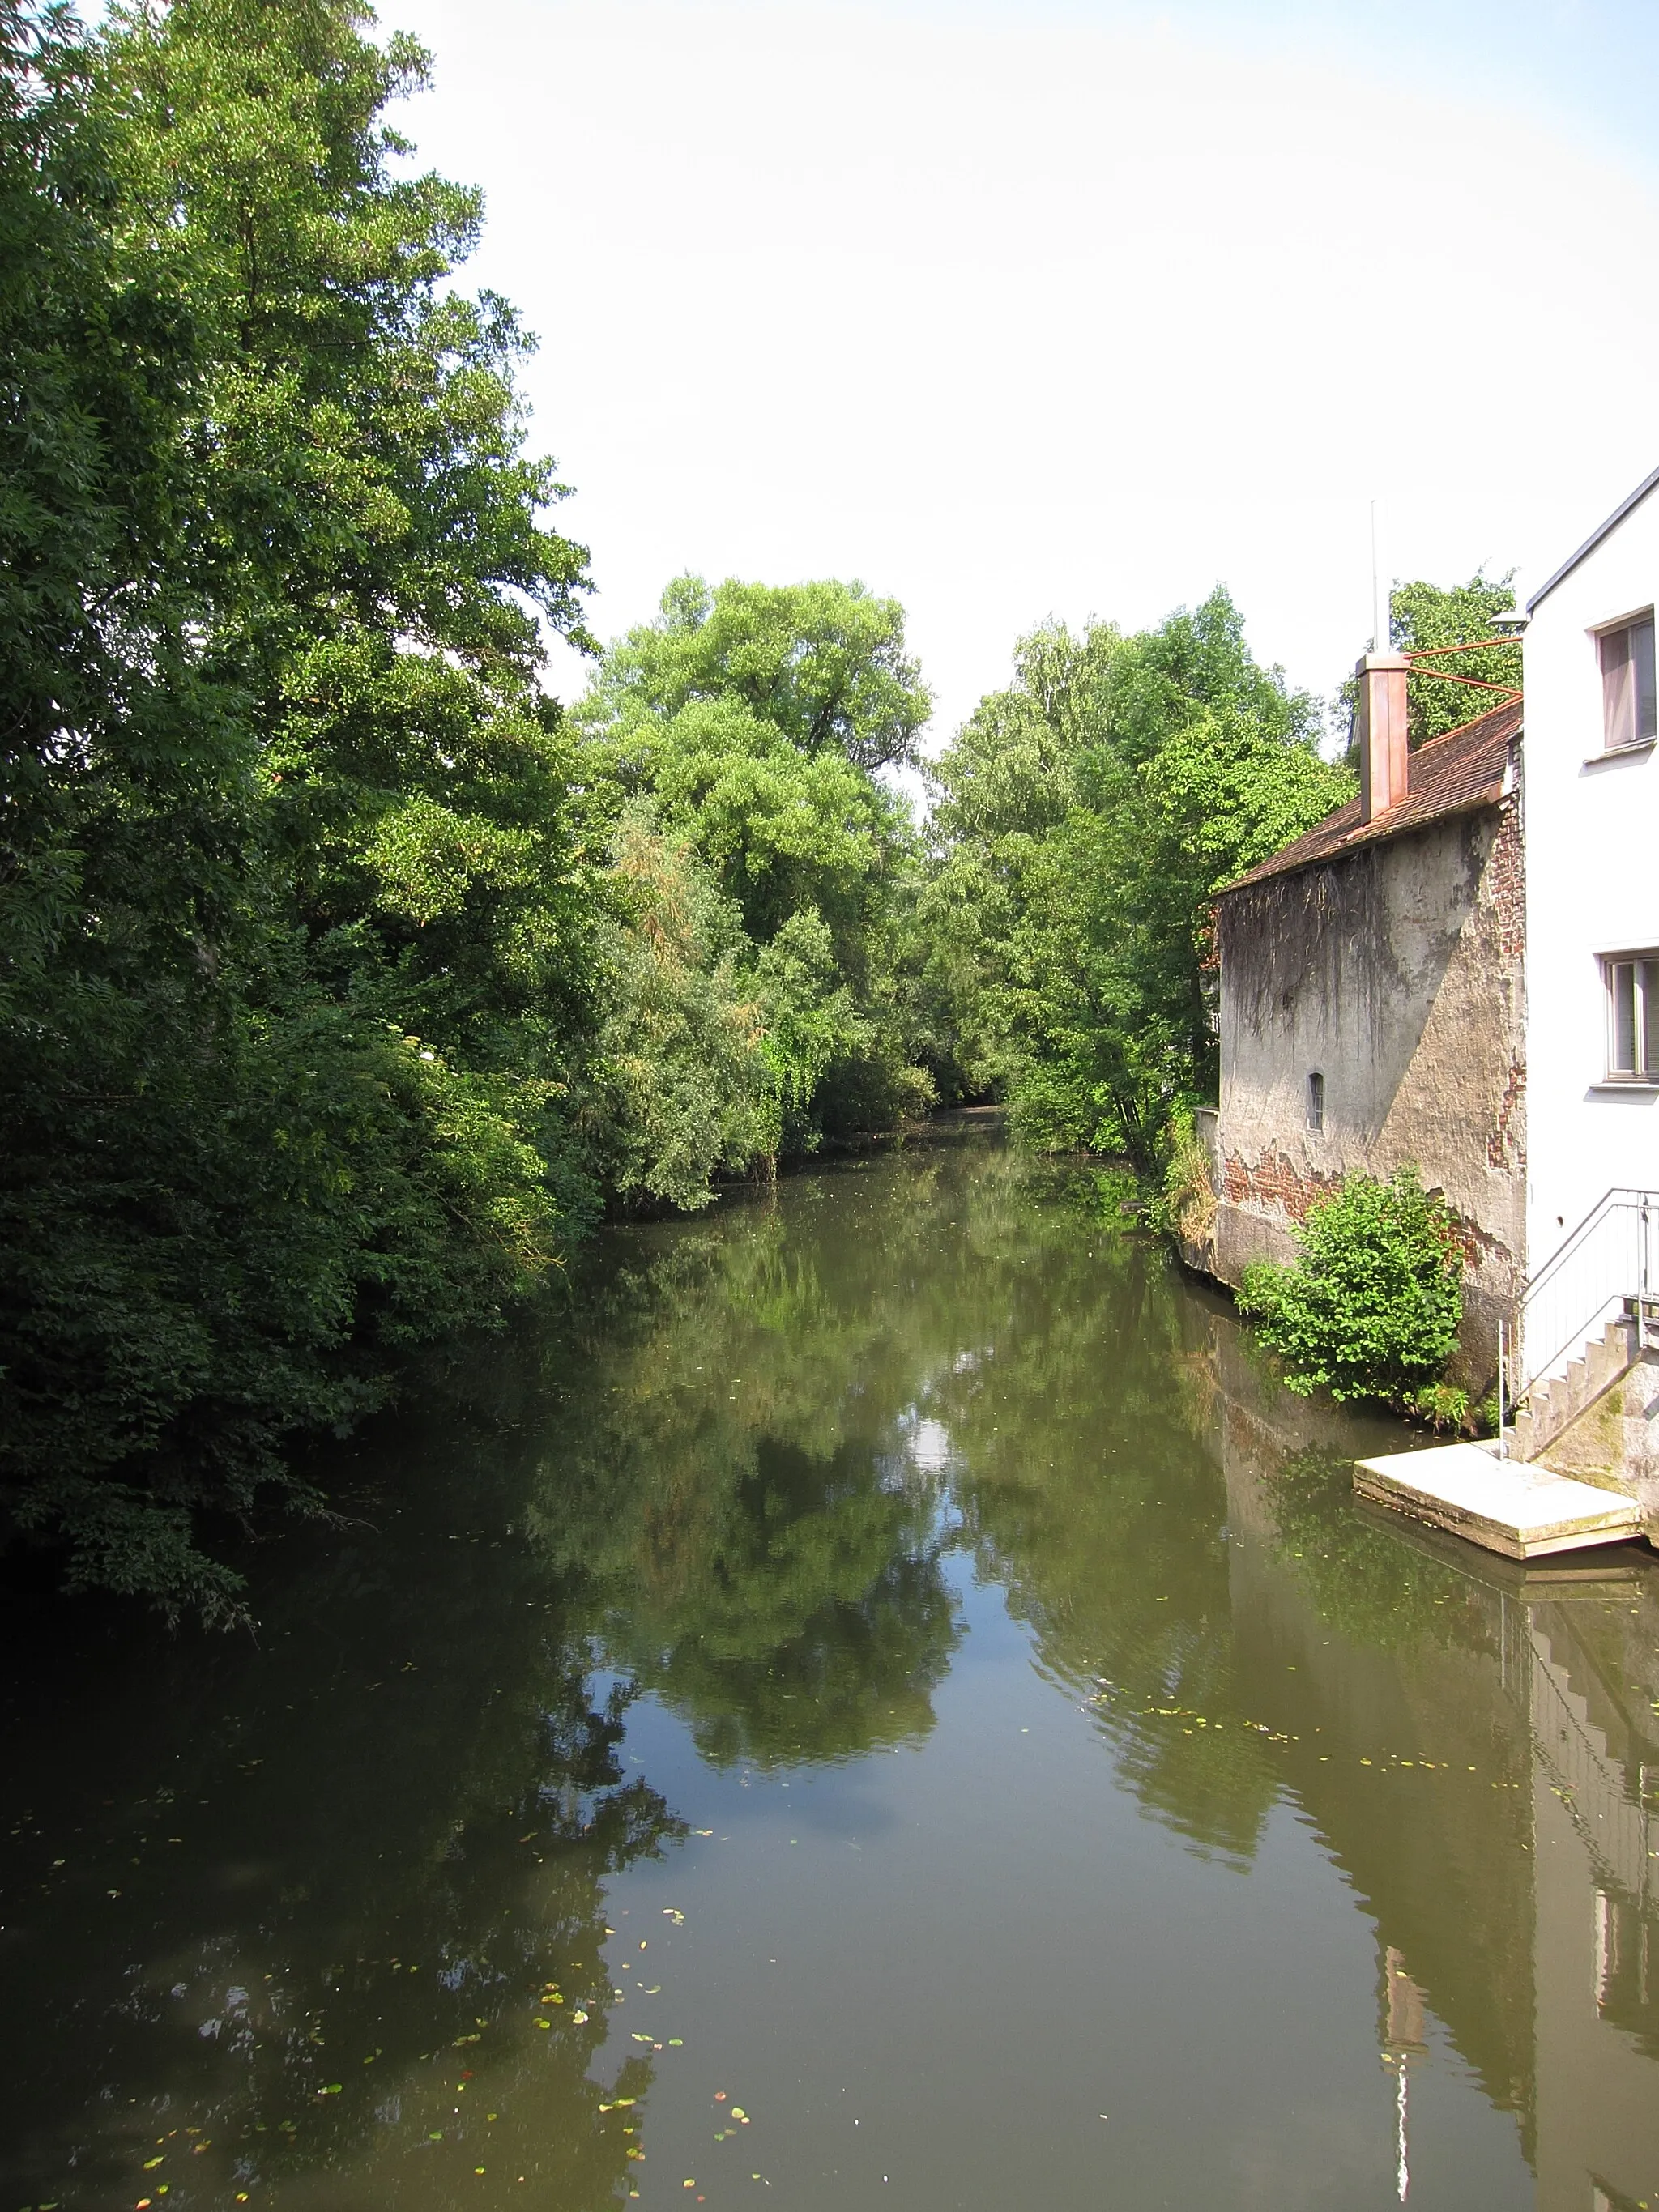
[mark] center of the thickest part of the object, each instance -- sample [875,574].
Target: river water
[884,1704]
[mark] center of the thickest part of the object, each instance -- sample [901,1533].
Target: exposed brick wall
[1499,1150]
[1478,1248]
[1506,881]
[1276,1182]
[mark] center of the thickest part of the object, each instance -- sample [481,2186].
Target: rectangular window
[1630,703]
[1632,1017]
[1315,1102]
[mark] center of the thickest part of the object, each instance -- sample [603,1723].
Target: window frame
[1625,707]
[1315,1101]
[1641,965]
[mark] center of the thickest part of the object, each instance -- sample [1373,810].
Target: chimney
[1381,724]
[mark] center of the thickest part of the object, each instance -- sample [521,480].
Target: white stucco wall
[1592,887]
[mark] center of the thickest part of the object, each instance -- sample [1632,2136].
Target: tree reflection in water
[313,1890]
[747,1474]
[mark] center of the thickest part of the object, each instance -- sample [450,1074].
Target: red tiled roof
[1457,773]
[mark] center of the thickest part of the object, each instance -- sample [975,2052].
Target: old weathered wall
[1395,973]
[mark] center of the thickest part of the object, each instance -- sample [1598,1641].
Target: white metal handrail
[1608,1265]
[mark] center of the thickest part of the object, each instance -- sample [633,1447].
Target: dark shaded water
[888,1708]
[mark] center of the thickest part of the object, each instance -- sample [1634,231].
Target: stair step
[1551,1408]
[1505,1505]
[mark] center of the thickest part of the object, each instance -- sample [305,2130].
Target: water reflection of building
[1404,2038]
[1517,1903]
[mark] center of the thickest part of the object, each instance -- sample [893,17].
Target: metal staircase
[1587,1316]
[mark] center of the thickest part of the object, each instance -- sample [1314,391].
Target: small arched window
[1316,1100]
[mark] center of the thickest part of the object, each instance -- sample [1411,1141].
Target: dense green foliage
[343,983]
[1423,617]
[294,955]
[1372,1309]
[346,980]
[1086,818]
[744,729]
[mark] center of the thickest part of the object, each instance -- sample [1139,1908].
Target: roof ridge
[1473,779]
[1595,538]
[1503,707]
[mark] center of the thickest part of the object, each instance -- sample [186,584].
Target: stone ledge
[1504,1505]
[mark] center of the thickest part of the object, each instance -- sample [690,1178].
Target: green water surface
[881,1702]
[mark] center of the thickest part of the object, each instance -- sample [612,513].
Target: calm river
[884,1705]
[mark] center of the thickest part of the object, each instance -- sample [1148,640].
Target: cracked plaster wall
[1394,971]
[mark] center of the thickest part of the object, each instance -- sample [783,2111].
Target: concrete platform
[1506,1506]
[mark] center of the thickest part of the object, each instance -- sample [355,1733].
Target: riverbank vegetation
[1085,818]
[1372,1309]
[347,978]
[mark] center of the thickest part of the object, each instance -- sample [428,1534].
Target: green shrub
[1185,1206]
[1372,1309]
[1442,1405]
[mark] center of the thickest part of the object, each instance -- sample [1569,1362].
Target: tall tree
[1086,818]
[823,664]
[1426,618]
[753,722]
[299,963]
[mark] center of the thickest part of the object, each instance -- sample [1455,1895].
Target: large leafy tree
[382,562]
[298,971]
[822,664]
[753,722]
[1087,817]
[1427,618]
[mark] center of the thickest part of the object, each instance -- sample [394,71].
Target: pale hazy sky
[1076,308]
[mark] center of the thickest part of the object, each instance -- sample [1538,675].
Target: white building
[1591,837]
